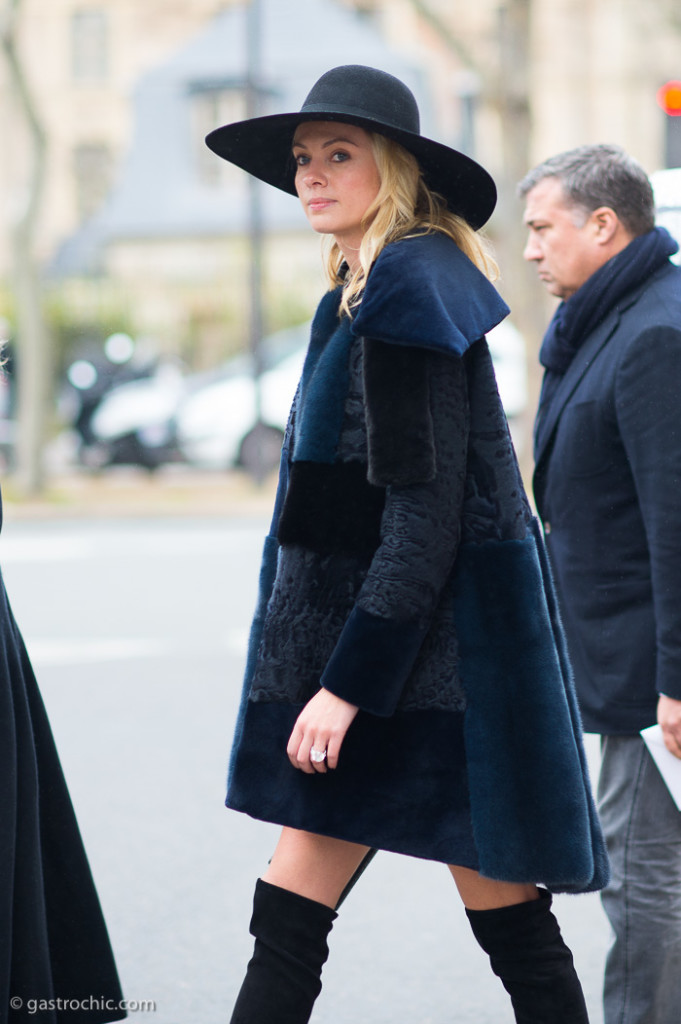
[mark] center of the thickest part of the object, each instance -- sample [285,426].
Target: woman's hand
[321,725]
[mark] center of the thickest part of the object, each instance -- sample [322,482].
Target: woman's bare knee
[314,866]
[479,893]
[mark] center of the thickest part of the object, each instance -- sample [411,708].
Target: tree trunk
[508,92]
[32,352]
[518,281]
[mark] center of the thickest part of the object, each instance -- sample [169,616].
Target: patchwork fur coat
[404,572]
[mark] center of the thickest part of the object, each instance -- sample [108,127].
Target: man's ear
[605,224]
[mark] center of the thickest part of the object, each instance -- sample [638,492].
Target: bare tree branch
[28,109]
[452,42]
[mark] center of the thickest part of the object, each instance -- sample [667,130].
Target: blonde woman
[406,686]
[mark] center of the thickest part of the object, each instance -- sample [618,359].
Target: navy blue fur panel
[324,384]
[268,571]
[532,806]
[601,862]
[332,509]
[400,784]
[399,421]
[424,291]
[372,661]
[282,488]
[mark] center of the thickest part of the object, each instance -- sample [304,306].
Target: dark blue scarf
[576,318]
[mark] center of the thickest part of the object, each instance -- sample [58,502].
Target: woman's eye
[301,159]
[340,155]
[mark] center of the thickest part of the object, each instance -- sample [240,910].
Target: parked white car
[667,190]
[233,422]
[507,348]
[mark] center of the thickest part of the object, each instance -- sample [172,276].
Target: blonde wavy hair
[404,207]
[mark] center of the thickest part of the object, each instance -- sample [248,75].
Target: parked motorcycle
[112,399]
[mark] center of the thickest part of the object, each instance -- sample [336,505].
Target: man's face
[562,241]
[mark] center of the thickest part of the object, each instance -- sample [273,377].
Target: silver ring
[317,755]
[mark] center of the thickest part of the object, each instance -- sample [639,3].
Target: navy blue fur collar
[424,291]
[324,384]
[421,292]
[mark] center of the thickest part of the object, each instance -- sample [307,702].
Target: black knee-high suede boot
[527,952]
[283,978]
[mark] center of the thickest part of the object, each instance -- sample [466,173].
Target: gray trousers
[642,827]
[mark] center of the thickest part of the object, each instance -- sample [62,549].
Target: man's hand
[669,717]
[321,726]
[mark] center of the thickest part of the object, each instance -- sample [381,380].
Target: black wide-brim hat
[376,101]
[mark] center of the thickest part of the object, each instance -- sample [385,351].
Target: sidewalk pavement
[125,491]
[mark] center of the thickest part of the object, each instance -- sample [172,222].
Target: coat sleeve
[647,403]
[417,418]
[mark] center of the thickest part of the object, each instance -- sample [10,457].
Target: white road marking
[46,549]
[105,543]
[73,651]
[56,652]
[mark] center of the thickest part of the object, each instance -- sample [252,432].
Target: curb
[130,493]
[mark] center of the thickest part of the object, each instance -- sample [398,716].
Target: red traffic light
[669,98]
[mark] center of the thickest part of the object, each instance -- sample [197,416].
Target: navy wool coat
[608,484]
[403,572]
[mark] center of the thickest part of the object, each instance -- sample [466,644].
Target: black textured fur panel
[399,419]
[332,508]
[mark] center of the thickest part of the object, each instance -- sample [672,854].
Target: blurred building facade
[593,66]
[82,62]
[136,208]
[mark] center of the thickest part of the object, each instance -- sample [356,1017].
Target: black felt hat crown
[376,101]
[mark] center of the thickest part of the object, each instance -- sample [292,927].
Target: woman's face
[336,179]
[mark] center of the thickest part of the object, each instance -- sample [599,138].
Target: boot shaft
[528,954]
[283,978]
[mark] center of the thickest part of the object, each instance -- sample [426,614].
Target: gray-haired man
[608,489]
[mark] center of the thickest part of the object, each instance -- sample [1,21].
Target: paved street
[137,631]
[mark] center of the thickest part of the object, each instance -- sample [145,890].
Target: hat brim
[262,146]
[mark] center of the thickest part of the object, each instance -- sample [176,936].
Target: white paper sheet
[668,764]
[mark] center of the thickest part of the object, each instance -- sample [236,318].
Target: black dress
[57,964]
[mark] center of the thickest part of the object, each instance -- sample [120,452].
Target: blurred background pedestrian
[607,484]
[57,963]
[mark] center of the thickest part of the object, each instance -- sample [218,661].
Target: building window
[92,172]
[210,109]
[89,45]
